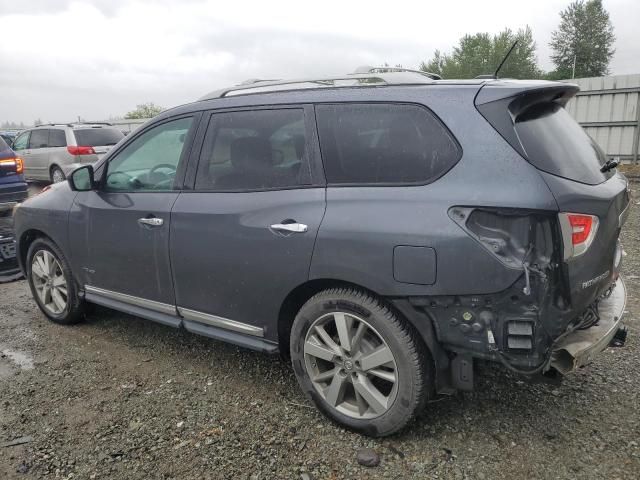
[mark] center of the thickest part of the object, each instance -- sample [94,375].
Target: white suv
[51,151]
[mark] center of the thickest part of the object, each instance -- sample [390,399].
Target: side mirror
[81,179]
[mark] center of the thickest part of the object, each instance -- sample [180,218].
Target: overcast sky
[60,59]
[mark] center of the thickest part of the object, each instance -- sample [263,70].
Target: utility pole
[573,73]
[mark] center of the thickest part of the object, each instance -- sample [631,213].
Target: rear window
[383,144]
[5,151]
[97,137]
[556,143]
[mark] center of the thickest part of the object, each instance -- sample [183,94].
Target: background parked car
[8,136]
[13,188]
[50,151]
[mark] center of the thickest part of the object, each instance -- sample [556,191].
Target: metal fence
[608,108]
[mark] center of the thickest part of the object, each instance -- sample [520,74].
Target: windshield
[556,143]
[98,137]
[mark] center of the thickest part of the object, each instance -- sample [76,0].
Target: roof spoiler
[501,103]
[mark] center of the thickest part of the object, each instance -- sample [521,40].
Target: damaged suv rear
[385,229]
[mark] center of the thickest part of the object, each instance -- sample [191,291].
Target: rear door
[243,238]
[120,232]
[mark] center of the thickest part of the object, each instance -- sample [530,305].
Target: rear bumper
[9,269]
[11,194]
[580,347]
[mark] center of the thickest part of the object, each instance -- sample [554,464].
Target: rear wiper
[609,165]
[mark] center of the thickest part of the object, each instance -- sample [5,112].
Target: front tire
[362,365]
[51,282]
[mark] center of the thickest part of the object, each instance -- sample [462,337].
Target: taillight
[78,150]
[13,162]
[578,232]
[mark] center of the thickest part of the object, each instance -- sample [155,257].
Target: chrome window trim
[220,322]
[131,300]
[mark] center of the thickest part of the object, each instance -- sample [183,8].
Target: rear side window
[97,137]
[254,150]
[57,138]
[384,144]
[556,143]
[39,138]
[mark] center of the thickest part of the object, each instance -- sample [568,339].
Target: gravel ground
[121,398]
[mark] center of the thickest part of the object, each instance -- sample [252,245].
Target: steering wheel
[129,178]
[162,165]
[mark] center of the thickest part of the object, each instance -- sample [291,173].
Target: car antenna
[495,75]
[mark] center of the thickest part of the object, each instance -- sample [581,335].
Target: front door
[243,238]
[120,232]
[36,159]
[21,147]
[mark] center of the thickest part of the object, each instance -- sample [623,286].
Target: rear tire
[57,175]
[362,365]
[52,284]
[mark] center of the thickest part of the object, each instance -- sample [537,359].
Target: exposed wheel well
[299,296]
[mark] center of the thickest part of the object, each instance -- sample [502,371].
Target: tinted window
[556,143]
[97,137]
[378,144]
[39,138]
[254,150]
[150,161]
[21,141]
[57,138]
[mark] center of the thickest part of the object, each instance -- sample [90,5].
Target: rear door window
[254,150]
[57,138]
[39,138]
[556,143]
[384,144]
[98,137]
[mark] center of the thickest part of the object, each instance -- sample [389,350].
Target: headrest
[251,152]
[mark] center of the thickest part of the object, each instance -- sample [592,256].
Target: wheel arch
[302,293]
[24,243]
[52,167]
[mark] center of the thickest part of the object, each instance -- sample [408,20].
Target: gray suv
[385,230]
[51,151]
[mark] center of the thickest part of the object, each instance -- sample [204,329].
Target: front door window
[149,163]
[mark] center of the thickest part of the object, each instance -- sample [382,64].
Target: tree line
[582,46]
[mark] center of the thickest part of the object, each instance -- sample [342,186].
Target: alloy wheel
[49,282]
[350,365]
[57,176]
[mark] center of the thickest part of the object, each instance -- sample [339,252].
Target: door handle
[152,222]
[290,227]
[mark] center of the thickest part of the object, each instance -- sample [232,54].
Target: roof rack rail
[390,76]
[369,69]
[71,124]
